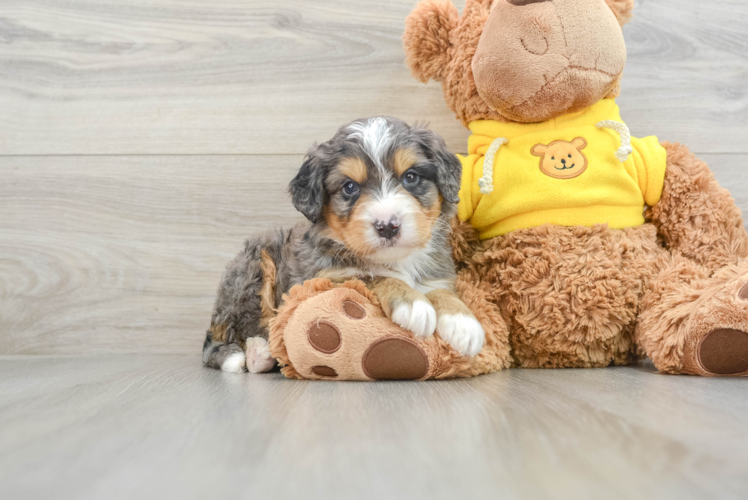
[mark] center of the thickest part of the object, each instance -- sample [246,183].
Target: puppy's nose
[525,2]
[387,230]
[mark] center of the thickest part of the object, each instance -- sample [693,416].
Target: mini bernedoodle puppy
[379,197]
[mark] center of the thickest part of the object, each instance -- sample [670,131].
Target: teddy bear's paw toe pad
[725,352]
[743,294]
[353,310]
[324,371]
[395,359]
[324,337]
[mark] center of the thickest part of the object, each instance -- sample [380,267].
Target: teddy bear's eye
[569,156]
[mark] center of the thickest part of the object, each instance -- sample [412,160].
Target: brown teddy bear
[579,245]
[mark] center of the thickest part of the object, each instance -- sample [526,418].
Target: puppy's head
[380,187]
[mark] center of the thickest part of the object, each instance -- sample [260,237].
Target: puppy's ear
[448,166]
[307,189]
[623,9]
[426,38]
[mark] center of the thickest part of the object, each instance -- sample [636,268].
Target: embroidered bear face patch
[562,159]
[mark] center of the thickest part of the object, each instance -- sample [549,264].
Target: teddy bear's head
[519,60]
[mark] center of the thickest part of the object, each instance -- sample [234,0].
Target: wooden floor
[142,140]
[139,426]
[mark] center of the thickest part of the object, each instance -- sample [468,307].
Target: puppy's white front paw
[463,332]
[233,363]
[259,359]
[418,317]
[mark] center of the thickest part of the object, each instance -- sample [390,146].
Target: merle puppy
[379,197]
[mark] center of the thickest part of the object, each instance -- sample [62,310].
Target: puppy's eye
[350,188]
[410,179]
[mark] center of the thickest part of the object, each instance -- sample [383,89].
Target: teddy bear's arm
[695,216]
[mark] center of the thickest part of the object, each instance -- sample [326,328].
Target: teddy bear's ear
[580,143]
[623,9]
[426,38]
[539,150]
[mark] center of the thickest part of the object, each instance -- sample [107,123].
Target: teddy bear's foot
[389,358]
[718,336]
[341,334]
[699,323]
[723,351]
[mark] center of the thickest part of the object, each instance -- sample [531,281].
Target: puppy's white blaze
[259,359]
[463,332]
[388,205]
[234,363]
[375,134]
[391,205]
[418,317]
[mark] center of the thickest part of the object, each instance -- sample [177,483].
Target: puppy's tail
[221,356]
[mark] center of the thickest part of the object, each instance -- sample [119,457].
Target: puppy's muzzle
[388,230]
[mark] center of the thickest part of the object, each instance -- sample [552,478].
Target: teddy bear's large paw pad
[395,358]
[725,351]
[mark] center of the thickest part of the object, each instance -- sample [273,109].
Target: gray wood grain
[272,76]
[137,426]
[124,253]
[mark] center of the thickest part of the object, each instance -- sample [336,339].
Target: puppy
[379,197]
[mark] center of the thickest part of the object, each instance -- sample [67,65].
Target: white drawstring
[486,182]
[625,150]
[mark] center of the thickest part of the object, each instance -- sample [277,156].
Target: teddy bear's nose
[525,2]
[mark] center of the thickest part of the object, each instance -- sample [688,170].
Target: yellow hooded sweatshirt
[579,169]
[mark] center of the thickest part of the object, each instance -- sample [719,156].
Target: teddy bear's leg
[695,216]
[696,322]
[695,315]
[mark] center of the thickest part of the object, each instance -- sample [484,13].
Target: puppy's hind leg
[231,357]
[222,356]
[238,337]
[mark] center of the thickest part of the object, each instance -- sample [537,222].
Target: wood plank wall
[142,140]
